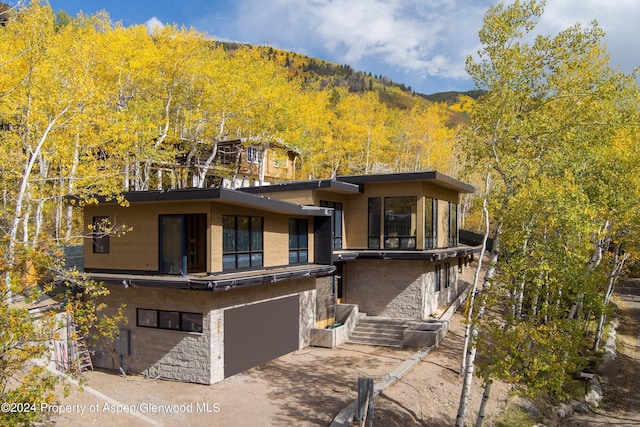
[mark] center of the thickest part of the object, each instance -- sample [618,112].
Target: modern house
[216,281]
[394,240]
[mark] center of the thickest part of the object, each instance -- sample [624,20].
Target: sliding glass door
[182,244]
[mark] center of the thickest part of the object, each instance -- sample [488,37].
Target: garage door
[257,333]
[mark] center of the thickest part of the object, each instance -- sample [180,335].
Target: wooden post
[365,401]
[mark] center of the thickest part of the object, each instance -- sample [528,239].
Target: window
[375,222]
[453,224]
[253,155]
[172,320]
[400,222]
[336,232]
[183,243]
[430,223]
[242,242]
[437,278]
[99,227]
[147,318]
[226,154]
[169,319]
[298,241]
[447,275]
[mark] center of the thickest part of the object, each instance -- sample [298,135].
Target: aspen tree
[551,108]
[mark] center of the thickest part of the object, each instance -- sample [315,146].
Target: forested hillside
[88,106]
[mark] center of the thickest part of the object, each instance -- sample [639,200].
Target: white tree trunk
[70,186]
[474,285]
[19,205]
[483,404]
[469,354]
[476,276]
[599,246]
[616,270]
[202,172]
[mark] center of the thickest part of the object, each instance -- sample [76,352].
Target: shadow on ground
[315,394]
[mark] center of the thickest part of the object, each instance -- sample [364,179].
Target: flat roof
[440,178]
[232,197]
[332,185]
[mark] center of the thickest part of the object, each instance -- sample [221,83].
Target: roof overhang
[438,178]
[428,255]
[223,195]
[213,282]
[331,185]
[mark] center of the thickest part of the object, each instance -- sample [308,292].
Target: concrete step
[379,342]
[368,334]
[382,331]
[385,321]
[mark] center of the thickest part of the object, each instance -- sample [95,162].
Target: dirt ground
[429,394]
[305,388]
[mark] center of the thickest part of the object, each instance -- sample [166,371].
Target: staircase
[382,331]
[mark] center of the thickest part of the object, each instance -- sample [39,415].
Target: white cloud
[153,25]
[416,39]
[619,19]
[411,35]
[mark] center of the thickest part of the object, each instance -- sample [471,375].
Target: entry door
[182,244]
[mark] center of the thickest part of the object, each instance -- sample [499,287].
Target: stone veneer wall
[397,288]
[189,356]
[325,306]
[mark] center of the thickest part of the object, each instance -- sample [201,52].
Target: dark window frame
[402,241]
[431,223]
[374,222]
[447,275]
[226,153]
[255,251]
[298,241]
[182,324]
[336,222]
[453,225]
[438,278]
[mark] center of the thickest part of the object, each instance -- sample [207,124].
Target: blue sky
[421,43]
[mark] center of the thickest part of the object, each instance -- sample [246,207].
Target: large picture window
[242,242]
[337,222]
[400,222]
[430,223]
[298,241]
[171,320]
